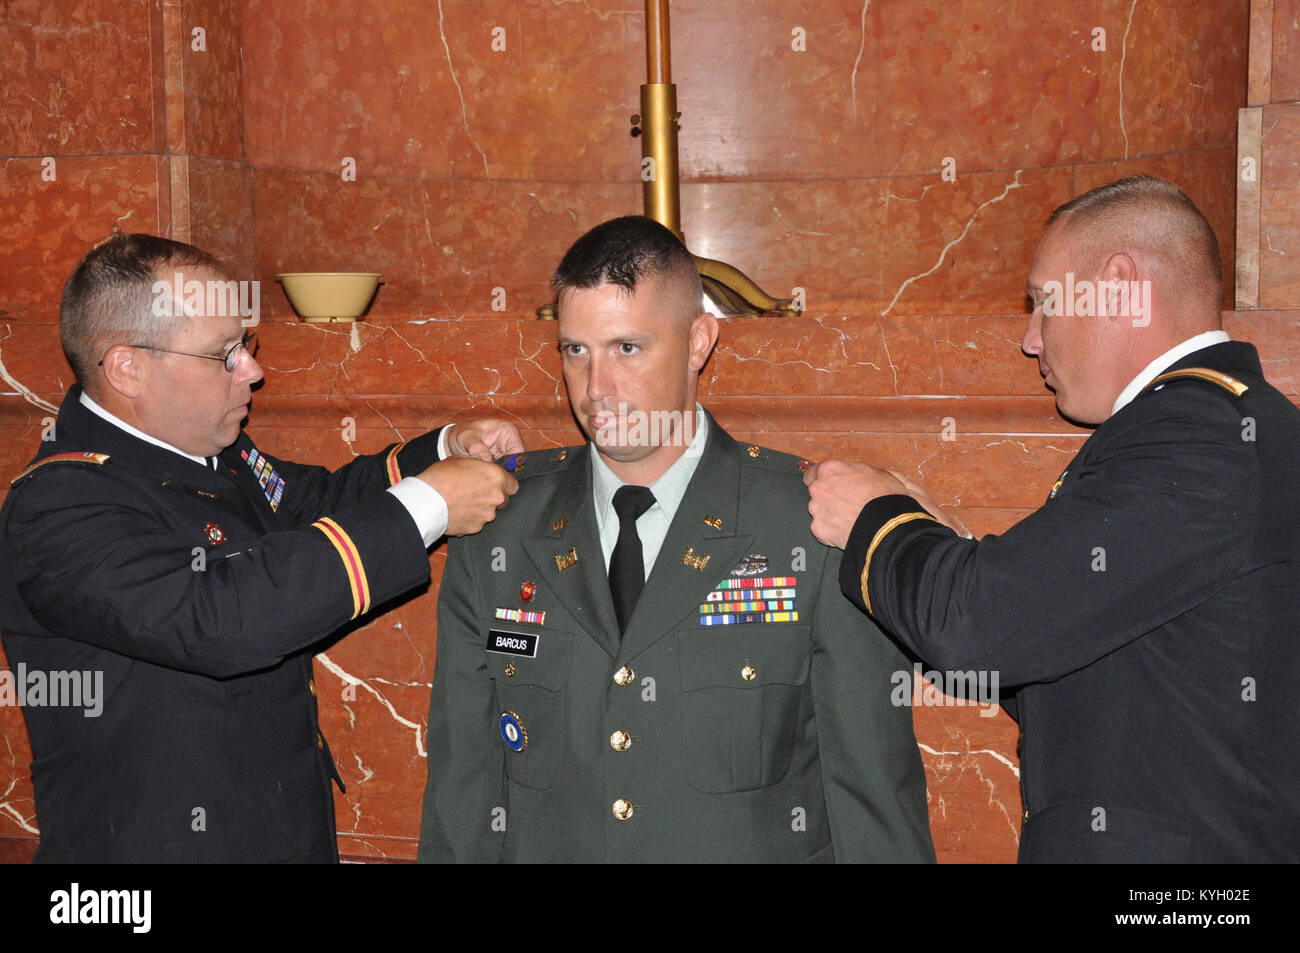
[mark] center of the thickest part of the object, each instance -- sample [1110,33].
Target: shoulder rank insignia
[94,459]
[1226,381]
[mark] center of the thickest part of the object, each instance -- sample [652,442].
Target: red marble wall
[1268,204]
[817,168]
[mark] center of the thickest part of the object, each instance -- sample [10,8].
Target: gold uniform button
[753,451]
[320,740]
[622,809]
[1025,817]
[561,455]
[620,740]
[624,676]
[311,686]
[749,673]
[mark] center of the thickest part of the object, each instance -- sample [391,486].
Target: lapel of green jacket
[675,589]
[582,587]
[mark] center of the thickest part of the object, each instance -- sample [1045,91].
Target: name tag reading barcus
[505,642]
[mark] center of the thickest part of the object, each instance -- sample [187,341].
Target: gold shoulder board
[1226,381]
[98,459]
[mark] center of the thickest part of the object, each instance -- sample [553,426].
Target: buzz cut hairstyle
[1156,217]
[109,298]
[626,252]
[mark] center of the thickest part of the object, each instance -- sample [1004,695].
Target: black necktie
[626,565]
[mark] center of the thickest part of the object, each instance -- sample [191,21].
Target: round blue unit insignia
[513,732]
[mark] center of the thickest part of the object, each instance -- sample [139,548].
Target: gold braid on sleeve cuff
[881,533]
[390,465]
[358,583]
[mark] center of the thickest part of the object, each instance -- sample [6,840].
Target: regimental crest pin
[696,562]
[754,564]
[513,732]
[215,534]
[527,591]
[564,560]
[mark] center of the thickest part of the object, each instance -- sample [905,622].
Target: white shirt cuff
[443,452]
[425,504]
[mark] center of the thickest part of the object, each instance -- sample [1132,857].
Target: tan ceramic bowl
[330,295]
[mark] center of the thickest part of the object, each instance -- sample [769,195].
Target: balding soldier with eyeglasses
[151,541]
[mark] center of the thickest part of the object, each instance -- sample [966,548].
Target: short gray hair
[109,298]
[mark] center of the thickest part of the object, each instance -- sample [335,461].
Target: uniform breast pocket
[743,703]
[529,669]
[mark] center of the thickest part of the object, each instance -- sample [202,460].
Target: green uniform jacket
[768,741]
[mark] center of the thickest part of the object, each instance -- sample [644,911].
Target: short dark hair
[110,297]
[625,251]
[1159,218]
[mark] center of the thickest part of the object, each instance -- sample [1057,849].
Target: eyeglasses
[247,343]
